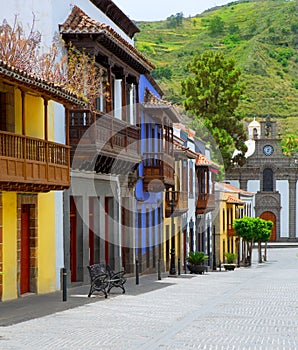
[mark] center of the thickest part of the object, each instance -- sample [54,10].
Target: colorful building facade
[33,166]
[233,203]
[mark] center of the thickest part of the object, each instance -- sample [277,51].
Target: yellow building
[233,203]
[32,167]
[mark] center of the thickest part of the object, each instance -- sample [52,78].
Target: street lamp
[213,249]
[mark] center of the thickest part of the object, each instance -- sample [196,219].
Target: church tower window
[268,180]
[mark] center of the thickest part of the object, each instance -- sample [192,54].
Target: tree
[162,72]
[290,145]
[212,91]
[175,20]
[253,230]
[216,25]
[262,231]
[244,228]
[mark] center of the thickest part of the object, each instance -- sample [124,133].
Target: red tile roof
[224,186]
[78,22]
[204,161]
[151,101]
[233,200]
[31,81]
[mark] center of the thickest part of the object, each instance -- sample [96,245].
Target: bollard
[137,272]
[172,264]
[64,284]
[179,267]
[158,270]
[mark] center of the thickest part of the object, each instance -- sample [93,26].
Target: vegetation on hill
[262,37]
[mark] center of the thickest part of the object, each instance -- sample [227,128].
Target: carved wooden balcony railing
[180,203]
[159,169]
[32,165]
[105,143]
[230,230]
[205,203]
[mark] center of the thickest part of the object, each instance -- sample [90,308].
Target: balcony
[205,203]
[106,144]
[230,231]
[32,165]
[180,200]
[159,171]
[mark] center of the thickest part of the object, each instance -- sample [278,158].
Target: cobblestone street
[249,308]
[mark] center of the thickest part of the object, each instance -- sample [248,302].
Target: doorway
[25,249]
[268,215]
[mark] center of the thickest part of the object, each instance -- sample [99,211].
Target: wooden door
[73,240]
[268,215]
[25,249]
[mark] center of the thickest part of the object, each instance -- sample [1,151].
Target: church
[272,176]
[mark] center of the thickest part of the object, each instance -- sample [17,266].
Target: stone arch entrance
[268,215]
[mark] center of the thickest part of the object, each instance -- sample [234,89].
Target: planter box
[229,267]
[197,269]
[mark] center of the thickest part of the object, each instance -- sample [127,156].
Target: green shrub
[231,257]
[196,258]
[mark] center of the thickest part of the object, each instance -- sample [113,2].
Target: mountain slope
[262,37]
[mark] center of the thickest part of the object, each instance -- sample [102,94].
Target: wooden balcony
[205,203]
[231,231]
[180,203]
[105,143]
[159,169]
[32,165]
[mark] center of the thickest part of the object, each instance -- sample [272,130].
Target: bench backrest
[96,269]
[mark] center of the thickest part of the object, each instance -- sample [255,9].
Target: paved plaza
[249,308]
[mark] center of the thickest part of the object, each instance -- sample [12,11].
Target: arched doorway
[268,215]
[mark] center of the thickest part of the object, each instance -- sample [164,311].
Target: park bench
[103,279]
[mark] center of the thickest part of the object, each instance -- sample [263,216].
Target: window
[131,103]
[7,122]
[190,179]
[223,220]
[268,180]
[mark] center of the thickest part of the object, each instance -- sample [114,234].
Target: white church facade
[273,177]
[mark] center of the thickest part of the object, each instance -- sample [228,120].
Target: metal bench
[103,279]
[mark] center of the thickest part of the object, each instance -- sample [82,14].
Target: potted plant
[195,262]
[230,261]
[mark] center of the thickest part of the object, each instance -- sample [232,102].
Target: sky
[154,10]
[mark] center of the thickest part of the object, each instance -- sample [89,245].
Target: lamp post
[172,265]
[213,249]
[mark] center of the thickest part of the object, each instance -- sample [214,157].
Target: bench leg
[90,292]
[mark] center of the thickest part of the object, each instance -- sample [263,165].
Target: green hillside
[262,36]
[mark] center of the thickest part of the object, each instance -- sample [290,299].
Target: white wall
[50,13]
[282,186]
[253,186]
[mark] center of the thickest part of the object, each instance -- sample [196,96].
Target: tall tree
[212,91]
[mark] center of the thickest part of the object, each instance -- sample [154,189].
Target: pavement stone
[249,308]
